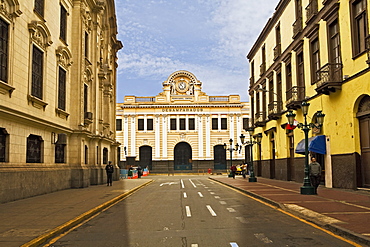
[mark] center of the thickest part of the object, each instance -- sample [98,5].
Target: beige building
[182,129]
[57,94]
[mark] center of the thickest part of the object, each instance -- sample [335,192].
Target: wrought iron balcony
[277,51]
[297,26]
[330,78]
[275,109]
[260,119]
[311,10]
[294,97]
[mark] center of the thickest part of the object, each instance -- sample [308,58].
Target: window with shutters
[4,39]
[119,124]
[39,7]
[173,124]
[37,72]
[359,26]
[63,23]
[62,89]
[140,124]
[191,123]
[149,124]
[34,149]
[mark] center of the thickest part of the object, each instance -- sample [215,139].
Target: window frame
[31,141]
[315,64]
[4,39]
[356,41]
[150,124]
[37,72]
[63,23]
[119,124]
[39,7]
[62,88]
[140,124]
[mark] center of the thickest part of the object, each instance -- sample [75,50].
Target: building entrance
[364,121]
[183,156]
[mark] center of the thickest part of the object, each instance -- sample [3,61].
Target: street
[193,211]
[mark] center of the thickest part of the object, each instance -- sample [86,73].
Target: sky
[209,38]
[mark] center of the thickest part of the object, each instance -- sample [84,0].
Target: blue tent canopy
[316,144]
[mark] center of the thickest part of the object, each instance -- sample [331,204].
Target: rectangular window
[288,76]
[224,123]
[140,124]
[214,123]
[191,123]
[359,26]
[173,124]
[4,30]
[182,124]
[3,144]
[86,45]
[119,124]
[63,23]
[149,124]
[315,60]
[34,149]
[300,69]
[62,89]
[39,7]
[271,89]
[86,88]
[334,43]
[59,153]
[37,72]
[245,123]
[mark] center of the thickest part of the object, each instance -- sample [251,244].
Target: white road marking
[242,220]
[200,194]
[185,195]
[231,210]
[212,193]
[192,183]
[234,244]
[206,187]
[211,210]
[188,213]
[222,202]
[263,238]
[169,183]
[182,184]
[217,197]
[194,245]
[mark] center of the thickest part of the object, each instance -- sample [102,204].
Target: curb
[336,229]
[77,220]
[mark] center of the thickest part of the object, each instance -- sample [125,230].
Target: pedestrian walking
[109,169]
[233,171]
[244,170]
[315,173]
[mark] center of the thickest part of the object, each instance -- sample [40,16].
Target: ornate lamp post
[250,144]
[231,149]
[307,188]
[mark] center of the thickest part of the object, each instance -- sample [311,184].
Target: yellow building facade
[182,129]
[57,95]
[314,51]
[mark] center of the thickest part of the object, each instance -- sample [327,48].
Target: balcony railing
[259,119]
[277,51]
[297,27]
[330,78]
[145,99]
[294,97]
[275,109]
[311,10]
[219,98]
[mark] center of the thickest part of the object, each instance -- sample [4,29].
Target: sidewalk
[35,219]
[345,212]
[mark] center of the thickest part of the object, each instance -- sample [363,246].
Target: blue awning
[316,144]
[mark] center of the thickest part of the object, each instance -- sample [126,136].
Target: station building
[182,129]
[314,51]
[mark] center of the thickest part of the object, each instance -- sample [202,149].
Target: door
[365,150]
[183,156]
[145,157]
[219,154]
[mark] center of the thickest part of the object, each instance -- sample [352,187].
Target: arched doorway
[363,116]
[219,154]
[183,156]
[145,157]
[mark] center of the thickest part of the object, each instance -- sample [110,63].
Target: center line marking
[222,202]
[188,213]
[192,183]
[234,244]
[200,194]
[231,210]
[182,184]
[217,197]
[211,210]
[185,195]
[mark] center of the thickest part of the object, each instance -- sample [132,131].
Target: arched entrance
[363,116]
[145,157]
[183,156]
[219,154]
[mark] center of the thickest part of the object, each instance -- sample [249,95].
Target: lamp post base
[254,179]
[308,190]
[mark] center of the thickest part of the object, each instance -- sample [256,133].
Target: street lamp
[250,144]
[231,149]
[307,188]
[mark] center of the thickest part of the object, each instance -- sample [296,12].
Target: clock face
[182,85]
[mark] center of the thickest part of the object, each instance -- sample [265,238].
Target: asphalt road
[192,211]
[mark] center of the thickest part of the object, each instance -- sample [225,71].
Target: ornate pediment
[182,83]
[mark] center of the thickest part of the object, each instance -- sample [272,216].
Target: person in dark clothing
[139,173]
[109,169]
[315,173]
[233,171]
